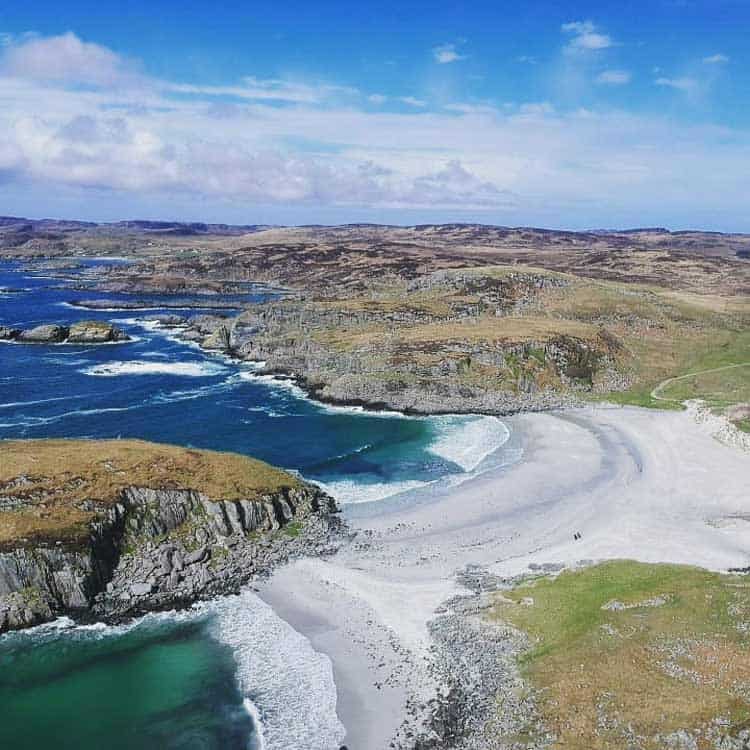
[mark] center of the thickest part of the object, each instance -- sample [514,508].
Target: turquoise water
[161,684]
[175,684]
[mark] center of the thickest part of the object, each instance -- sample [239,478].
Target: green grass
[293,529]
[682,353]
[601,671]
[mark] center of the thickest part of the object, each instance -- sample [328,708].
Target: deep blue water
[158,388]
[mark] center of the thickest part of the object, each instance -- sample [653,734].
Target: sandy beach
[647,485]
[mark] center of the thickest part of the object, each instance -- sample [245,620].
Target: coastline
[631,481]
[371,607]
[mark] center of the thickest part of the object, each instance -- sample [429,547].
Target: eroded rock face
[160,548]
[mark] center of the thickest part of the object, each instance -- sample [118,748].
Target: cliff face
[157,548]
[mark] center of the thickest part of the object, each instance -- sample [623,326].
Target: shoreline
[631,481]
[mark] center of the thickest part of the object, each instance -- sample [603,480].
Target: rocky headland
[109,529]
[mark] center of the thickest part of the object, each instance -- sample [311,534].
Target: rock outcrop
[44,334]
[159,548]
[95,332]
[83,332]
[137,548]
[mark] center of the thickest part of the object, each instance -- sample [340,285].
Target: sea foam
[467,440]
[289,683]
[137,367]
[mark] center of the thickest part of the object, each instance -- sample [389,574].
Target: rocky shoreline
[156,548]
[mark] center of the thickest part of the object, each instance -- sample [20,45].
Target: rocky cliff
[94,551]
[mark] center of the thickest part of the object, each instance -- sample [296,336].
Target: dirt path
[664,383]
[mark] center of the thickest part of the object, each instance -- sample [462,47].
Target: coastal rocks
[483,702]
[82,332]
[95,332]
[44,334]
[160,548]
[9,334]
[218,340]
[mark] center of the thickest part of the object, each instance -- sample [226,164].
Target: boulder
[44,334]
[95,332]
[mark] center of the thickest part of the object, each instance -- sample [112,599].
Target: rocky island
[82,332]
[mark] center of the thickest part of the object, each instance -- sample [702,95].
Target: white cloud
[65,58]
[685,84]
[412,101]
[585,36]
[614,77]
[252,88]
[446,53]
[471,109]
[377,98]
[526,59]
[315,148]
[717,59]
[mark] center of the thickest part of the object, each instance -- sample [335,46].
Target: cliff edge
[108,529]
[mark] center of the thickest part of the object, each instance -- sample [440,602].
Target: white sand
[647,485]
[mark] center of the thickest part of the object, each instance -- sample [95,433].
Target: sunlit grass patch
[626,649]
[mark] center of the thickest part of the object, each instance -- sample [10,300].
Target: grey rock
[128,567]
[44,334]
[141,589]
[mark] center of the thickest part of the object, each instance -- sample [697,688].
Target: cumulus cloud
[585,36]
[446,53]
[65,58]
[717,59]
[614,77]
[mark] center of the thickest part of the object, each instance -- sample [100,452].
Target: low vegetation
[51,489]
[627,654]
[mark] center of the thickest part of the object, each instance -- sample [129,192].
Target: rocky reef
[93,545]
[82,332]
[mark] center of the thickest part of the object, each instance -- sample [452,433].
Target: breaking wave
[186,369]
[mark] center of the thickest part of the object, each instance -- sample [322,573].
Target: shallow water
[164,683]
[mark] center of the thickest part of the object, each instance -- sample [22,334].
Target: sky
[573,115]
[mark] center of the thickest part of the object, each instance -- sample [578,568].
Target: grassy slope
[667,334]
[53,477]
[645,670]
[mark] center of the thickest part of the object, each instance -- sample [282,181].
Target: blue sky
[573,115]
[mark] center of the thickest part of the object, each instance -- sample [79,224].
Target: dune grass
[626,649]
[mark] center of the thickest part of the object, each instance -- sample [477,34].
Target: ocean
[214,676]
